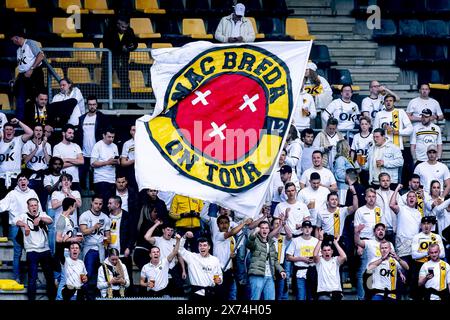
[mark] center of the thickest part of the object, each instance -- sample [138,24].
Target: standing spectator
[104,158]
[374,103]
[314,196]
[344,110]
[301,253]
[383,157]
[34,228]
[76,275]
[424,135]
[235,27]
[120,39]
[443,217]
[30,79]
[436,199]
[68,91]
[318,87]
[130,200]
[279,181]
[205,273]
[417,105]
[342,163]
[305,111]
[384,194]
[90,128]
[327,179]
[36,154]
[361,144]
[15,203]
[3,120]
[293,148]
[328,278]
[95,226]
[435,276]
[36,110]
[70,153]
[307,137]
[155,274]
[122,230]
[422,197]
[112,276]
[263,263]
[326,141]
[66,191]
[433,170]
[369,215]
[385,272]
[127,159]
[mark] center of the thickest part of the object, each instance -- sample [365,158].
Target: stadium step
[351,53]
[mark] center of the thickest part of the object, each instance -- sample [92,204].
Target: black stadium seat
[388,29]
[276,7]
[407,55]
[320,55]
[436,29]
[410,28]
[196,7]
[433,53]
[438,6]
[340,76]
[222,7]
[429,76]
[173,6]
[253,7]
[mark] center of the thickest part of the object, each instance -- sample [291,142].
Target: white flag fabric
[221,119]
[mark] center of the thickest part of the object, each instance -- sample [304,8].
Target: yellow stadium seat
[140,57]
[195,28]
[10,285]
[79,75]
[59,72]
[2,36]
[85,56]
[143,28]
[59,26]
[137,82]
[149,6]
[159,45]
[5,105]
[297,29]
[64,4]
[257,35]
[19,6]
[98,7]
[3,239]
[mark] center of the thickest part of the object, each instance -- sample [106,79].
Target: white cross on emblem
[217,131]
[201,97]
[249,102]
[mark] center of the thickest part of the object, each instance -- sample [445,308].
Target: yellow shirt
[182,204]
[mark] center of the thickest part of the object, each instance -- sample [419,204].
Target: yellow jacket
[182,205]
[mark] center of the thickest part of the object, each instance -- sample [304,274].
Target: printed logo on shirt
[225,115]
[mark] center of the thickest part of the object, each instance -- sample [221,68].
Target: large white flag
[220,121]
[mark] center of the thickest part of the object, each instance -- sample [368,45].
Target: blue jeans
[92,263]
[378,297]
[17,251]
[283,284]
[359,276]
[241,267]
[51,230]
[301,289]
[261,285]
[45,259]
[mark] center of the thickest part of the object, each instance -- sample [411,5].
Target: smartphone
[431,271]
[101,221]
[116,157]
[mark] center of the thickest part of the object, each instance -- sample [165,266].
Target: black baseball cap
[426,112]
[306,223]
[285,169]
[428,219]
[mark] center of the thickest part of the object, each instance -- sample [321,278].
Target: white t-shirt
[296,215]
[115,230]
[319,196]
[420,244]
[26,55]
[72,270]
[159,273]
[330,221]
[79,109]
[300,247]
[50,180]
[59,195]
[373,252]
[389,218]
[408,225]
[361,145]
[305,101]
[369,218]
[405,127]
[326,176]
[222,249]
[89,134]
[384,278]
[90,219]
[11,155]
[428,173]
[328,278]
[37,240]
[69,151]
[3,120]
[372,106]
[128,150]
[423,137]
[37,162]
[166,248]
[416,106]
[124,198]
[345,112]
[440,280]
[104,152]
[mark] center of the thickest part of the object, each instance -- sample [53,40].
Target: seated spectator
[112,276]
[235,27]
[69,91]
[318,87]
[326,141]
[76,275]
[36,110]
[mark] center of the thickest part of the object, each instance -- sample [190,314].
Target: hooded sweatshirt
[16,202]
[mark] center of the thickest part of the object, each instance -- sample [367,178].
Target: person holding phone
[434,275]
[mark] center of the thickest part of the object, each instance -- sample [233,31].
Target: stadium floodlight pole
[110,88]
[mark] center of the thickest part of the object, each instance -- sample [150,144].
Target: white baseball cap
[312,66]
[239,9]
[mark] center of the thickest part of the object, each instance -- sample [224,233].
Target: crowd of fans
[336,211]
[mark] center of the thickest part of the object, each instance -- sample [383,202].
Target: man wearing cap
[374,103]
[423,101]
[423,136]
[419,249]
[286,175]
[301,253]
[235,28]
